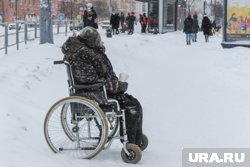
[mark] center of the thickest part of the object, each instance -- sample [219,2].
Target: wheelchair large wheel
[76,126]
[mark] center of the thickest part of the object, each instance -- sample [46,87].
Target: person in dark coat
[112,22]
[90,65]
[195,27]
[206,27]
[117,23]
[131,22]
[188,29]
[90,16]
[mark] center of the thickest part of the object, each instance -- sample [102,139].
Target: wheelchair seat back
[95,92]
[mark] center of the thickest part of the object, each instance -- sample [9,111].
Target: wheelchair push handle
[59,62]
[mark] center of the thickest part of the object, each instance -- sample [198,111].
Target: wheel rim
[60,136]
[132,155]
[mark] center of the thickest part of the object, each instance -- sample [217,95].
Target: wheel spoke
[91,134]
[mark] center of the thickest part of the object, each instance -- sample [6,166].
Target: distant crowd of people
[120,23]
[191,28]
[127,23]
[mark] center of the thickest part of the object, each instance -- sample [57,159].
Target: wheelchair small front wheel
[144,142]
[134,156]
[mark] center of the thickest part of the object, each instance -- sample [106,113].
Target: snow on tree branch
[43,4]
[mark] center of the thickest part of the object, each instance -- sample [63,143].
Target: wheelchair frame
[130,153]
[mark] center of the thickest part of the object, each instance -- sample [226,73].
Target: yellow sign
[238,17]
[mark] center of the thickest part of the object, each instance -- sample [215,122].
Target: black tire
[135,154]
[144,143]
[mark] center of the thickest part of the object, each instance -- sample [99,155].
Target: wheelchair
[81,128]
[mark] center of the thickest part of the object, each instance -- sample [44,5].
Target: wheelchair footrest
[72,149]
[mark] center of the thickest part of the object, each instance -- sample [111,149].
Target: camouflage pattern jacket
[89,65]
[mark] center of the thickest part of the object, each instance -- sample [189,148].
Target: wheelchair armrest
[88,86]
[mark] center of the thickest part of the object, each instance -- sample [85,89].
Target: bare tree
[218,10]
[46,31]
[70,8]
[102,9]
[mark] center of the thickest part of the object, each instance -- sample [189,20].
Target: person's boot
[189,42]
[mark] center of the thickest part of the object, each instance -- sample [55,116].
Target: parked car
[77,27]
[105,24]
[33,24]
[13,26]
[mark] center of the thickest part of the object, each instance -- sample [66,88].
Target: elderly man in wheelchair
[98,109]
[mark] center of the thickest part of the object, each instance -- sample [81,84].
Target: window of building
[153,14]
[169,15]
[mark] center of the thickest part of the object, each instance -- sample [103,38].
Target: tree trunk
[46,29]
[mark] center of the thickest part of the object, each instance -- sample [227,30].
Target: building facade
[28,10]
[162,14]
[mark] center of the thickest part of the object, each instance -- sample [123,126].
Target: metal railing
[21,32]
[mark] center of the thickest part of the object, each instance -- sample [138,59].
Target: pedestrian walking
[196,27]
[131,22]
[206,27]
[114,22]
[188,29]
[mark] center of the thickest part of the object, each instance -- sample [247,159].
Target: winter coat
[195,24]
[89,18]
[188,25]
[115,21]
[112,21]
[131,20]
[89,65]
[206,26]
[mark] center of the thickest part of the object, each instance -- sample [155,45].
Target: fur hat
[90,36]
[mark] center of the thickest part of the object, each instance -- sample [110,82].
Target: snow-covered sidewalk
[193,96]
